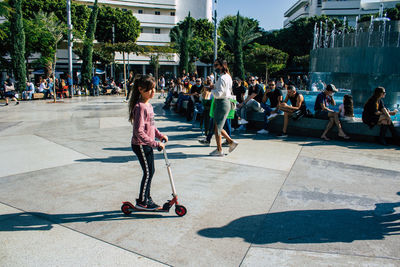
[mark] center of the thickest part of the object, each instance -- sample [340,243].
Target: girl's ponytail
[145,82]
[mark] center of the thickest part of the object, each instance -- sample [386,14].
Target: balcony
[161,4]
[298,5]
[300,13]
[156,20]
[332,8]
[153,39]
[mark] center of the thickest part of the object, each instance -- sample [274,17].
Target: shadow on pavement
[313,226]
[172,146]
[31,221]
[125,159]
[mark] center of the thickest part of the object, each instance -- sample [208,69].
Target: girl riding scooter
[141,115]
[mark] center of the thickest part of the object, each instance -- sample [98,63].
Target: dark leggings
[146,159]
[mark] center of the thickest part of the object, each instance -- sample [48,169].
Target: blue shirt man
[96,83]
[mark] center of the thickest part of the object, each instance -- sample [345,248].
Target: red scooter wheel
[126,209]
[180,210]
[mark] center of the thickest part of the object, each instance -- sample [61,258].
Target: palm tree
[5,10]
[56,30]
[237,36]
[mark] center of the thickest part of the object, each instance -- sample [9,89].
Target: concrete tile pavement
[294,202]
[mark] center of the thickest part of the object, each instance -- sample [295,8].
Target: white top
[42,87]
[223,87]
[341,109]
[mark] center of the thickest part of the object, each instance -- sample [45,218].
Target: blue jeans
[181,98]
[267,111]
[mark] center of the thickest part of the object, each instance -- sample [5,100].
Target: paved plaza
[67,167]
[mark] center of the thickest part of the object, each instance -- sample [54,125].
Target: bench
[312,127]
[37,96]
[61,93]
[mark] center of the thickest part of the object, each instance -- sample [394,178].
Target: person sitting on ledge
[252,101]
[183,96]
[346,110]
[297,109]
[270,111]
[323,112]
[375,113]
[29,91]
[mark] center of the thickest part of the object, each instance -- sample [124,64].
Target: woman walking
[222,105]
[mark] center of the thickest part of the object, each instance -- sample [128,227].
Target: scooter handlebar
[159,148]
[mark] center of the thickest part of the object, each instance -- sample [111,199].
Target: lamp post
[70,44]
[215,37]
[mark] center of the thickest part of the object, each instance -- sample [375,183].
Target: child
[141,115]
[346,109]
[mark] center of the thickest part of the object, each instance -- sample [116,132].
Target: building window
[157,30]
[141,30]
[319,3]
[140,11]
[157,12]
[172,13]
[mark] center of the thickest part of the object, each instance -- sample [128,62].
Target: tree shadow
[313,226]
[38,221]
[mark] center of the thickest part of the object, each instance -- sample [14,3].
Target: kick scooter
[127,207]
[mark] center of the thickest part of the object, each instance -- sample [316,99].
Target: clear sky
[268,12]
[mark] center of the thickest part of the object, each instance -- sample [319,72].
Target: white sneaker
[242,121]
[262,131]
[270,117]
[232,146]
[241,128]
[217,153]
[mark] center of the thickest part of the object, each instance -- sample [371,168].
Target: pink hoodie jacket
[144,130]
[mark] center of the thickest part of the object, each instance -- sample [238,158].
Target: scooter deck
[128,207]
[143,210]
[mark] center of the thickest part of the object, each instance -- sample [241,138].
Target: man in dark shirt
[252,101]
[323,112]
[238,90]
[274,95]
[194,99]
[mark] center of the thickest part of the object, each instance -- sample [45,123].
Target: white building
[157,18]
[335,8]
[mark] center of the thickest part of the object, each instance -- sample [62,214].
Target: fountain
[359,60]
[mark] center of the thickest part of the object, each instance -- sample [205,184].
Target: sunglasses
[271,84]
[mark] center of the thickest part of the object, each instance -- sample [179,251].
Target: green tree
[297,39]
[127,27]
[303,62]
[392,14]
[79,13]
[181,37]
[265,60]
[87,64]
[237,36]
[50,30]
[18,40]
[5,10]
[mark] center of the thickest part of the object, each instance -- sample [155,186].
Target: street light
[70,44]
[215,37]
